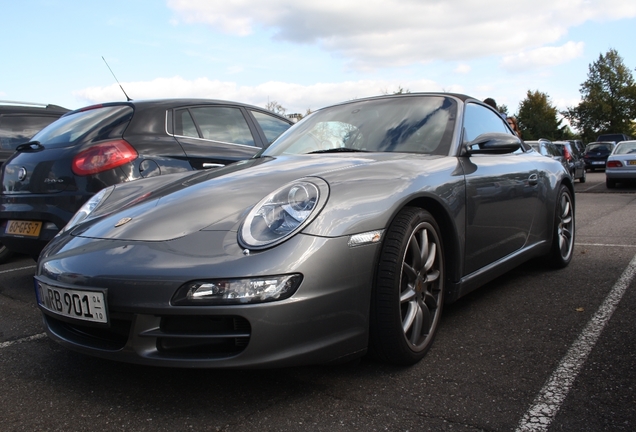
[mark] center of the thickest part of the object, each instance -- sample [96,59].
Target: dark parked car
[578,145]
[347,235]
[573,158]
[616,137]
[48,179]
[19,121]
[596,154]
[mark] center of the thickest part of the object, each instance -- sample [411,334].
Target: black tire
[583,177]
[407,299]
[609,183]
[5,254]
[563,232]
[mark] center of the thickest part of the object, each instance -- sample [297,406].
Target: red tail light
[566,154]
[102,157]
[614,164]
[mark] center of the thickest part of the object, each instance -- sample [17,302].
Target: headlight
[237,291]
[84,212]
[283,213]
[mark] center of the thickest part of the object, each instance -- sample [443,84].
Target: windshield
[599,147]
[626,148]
[414,124]
[92,124]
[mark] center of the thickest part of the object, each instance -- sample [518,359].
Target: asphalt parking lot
[535,349]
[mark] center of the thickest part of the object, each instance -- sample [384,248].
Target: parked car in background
[19,121]
[578,144]
[49,178]
[621,164]
[547,148]
[288,258]
[573,158]
[596,154]
[616,137]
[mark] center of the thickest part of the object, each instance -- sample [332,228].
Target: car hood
[166,208]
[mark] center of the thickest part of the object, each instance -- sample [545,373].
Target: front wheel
[407,299]
[563,231]
[583,177]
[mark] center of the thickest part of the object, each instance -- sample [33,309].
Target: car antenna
[111,71]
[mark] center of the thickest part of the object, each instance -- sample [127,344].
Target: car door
[215,135]
[500,194]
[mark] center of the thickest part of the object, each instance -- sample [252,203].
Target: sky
[306,55]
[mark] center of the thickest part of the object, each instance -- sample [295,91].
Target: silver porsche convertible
[344,237]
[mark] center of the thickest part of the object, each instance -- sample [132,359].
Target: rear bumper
[54,211]
[621,174]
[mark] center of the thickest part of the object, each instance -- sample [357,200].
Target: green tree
[608,96]
[538,118]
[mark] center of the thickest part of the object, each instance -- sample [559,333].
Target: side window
[272,126]
[479,120]
[184,125]
[224,124]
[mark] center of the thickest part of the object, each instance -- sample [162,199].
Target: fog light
[237,291]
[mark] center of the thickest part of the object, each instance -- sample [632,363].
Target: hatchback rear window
[18,129]
[91,125]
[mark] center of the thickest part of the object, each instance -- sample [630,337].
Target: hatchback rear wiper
[30,147]
[338,150]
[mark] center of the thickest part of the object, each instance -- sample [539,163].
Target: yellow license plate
[23,228]
[631,162]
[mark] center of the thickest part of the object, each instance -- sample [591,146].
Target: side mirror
[493,143]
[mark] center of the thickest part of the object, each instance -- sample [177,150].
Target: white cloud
[543,57]
[294,97]
[462,69]
[379,33]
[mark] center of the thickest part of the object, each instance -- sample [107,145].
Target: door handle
[211,165]
[533,179]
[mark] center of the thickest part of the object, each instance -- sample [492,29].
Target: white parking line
[17,269]
[26,339]
[593,187]
[605,245]
[549,400]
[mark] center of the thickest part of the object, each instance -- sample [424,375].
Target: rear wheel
[563,232]
[609,183]
[409,290]
[583,177]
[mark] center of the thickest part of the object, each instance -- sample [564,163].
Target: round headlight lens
[282,213]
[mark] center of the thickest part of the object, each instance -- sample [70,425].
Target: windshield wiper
[29,147]
[338,150]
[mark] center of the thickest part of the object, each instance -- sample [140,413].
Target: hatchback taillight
[614,164]
[102,157]
[566,154]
